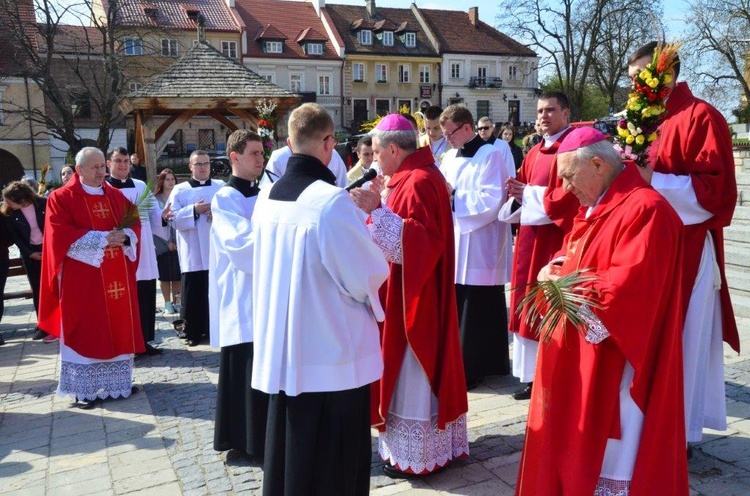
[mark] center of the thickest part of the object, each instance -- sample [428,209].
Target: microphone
[369,176]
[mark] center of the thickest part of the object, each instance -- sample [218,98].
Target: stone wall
[741,159]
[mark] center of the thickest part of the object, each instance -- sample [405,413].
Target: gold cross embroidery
[110,252]
[115,290]
[101,210]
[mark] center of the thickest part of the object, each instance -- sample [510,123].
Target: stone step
[738,278]
[738,232]
[740,304]
[736,254]
[742,212]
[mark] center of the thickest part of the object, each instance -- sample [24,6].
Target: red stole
[419,295]
[97,307]
[694,140]
[631,242]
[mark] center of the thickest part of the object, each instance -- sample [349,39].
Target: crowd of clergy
[340,309]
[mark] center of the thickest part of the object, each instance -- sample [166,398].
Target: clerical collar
[197,184]
[301,172]
[247,188]
[121,183]
[92,190]
[549,140]
[471,147]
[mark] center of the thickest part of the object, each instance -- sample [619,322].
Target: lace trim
[612,487]
[386,229]
[418,446]
[89,248]
[131,250]
[596,332]
[89,381]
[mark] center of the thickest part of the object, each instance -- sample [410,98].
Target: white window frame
[425,74]
[134,86]
[381,70]
[274,47]
[482,69]
[135,48]
[299,82]
[317,51]
[387,38]
[362,71]
[513,72]
[268,76]
[324,85]
[404,73]
[171,48]
[229,48]
[456,69]
[410,40]
[365,36]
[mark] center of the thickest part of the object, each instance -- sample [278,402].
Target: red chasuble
[694,140]
[419,296]
[631,242]
[97,307]
[536,245]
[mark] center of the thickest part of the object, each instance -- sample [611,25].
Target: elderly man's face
[93,172]
[584,180]
[386,157]
[200,167]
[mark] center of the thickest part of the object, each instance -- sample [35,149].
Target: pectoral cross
[115,290]
[101,210]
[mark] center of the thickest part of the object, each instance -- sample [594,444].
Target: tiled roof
[70,39]
[456,34]
[175,14]
[204,72]
[270,32]
[349,18]
[12,55]
[288,19]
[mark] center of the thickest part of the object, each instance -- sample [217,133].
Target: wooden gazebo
[203,82]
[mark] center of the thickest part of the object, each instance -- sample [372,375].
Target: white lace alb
[386,229]
[89,381]
[89,248]
[612,487]
[596,332]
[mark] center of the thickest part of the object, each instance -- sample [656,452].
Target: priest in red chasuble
[88,290]
[606,399]
[692,166]
[422,394]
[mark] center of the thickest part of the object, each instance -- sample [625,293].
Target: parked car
[220,165]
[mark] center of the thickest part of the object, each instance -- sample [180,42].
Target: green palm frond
[140,210]
[552,303]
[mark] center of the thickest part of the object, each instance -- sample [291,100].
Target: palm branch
[138,211]
[550,303]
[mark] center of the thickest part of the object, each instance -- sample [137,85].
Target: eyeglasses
[449,135]
[201,164]
[334,138]
[483,128]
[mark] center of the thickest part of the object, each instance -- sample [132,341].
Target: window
[229,48]
[206,139]
[273,47]
[359,110]
[388,38]
[358,72]
[381,73]
[133,46]
[410,39]
[483,107]
[512,72]
[170,48]
[133,86]
[383,107]
[403,73]
[455,70]
[295,82]
[314,48]
[324,85]
[482,71]
[268,76]
[365,37]
[424,73]
[404,104]
[80,105]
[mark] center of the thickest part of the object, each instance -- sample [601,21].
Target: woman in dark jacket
[25,211]
[508,133]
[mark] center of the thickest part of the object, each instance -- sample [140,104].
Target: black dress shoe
[524,393]
[2,341]
[395,473]
[38,334]
[193,342]
[86,404]
[150,350]
[689,452]
[134,390]
[472,384]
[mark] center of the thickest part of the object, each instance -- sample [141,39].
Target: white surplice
[150,223]
[279,158]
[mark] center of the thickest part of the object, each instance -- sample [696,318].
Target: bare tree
[719,39]
[77,67]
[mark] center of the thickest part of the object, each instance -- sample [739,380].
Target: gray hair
[602,149]
[406,140]
[82,157]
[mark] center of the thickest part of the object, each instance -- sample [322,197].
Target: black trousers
[33,270]
[147,308]
[483,323]
[318,444]
[195,304]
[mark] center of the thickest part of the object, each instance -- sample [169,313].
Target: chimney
[371,8]
[230,4]
[201,28]
[318,5]
[474,16]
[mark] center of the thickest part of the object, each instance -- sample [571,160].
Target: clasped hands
[369,199]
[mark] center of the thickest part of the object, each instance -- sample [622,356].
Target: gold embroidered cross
[101,210]
[115,290]
[110,252]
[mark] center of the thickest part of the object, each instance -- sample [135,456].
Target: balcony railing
[485,82]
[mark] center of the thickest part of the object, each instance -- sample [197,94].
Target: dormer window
[365,37]
[387,38]
[193,14]
[410,39]
[150,11]
[314,48]
[274,46]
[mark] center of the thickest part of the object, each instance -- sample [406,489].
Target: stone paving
[159,441]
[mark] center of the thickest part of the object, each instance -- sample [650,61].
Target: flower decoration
[645,109]
[266,126]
